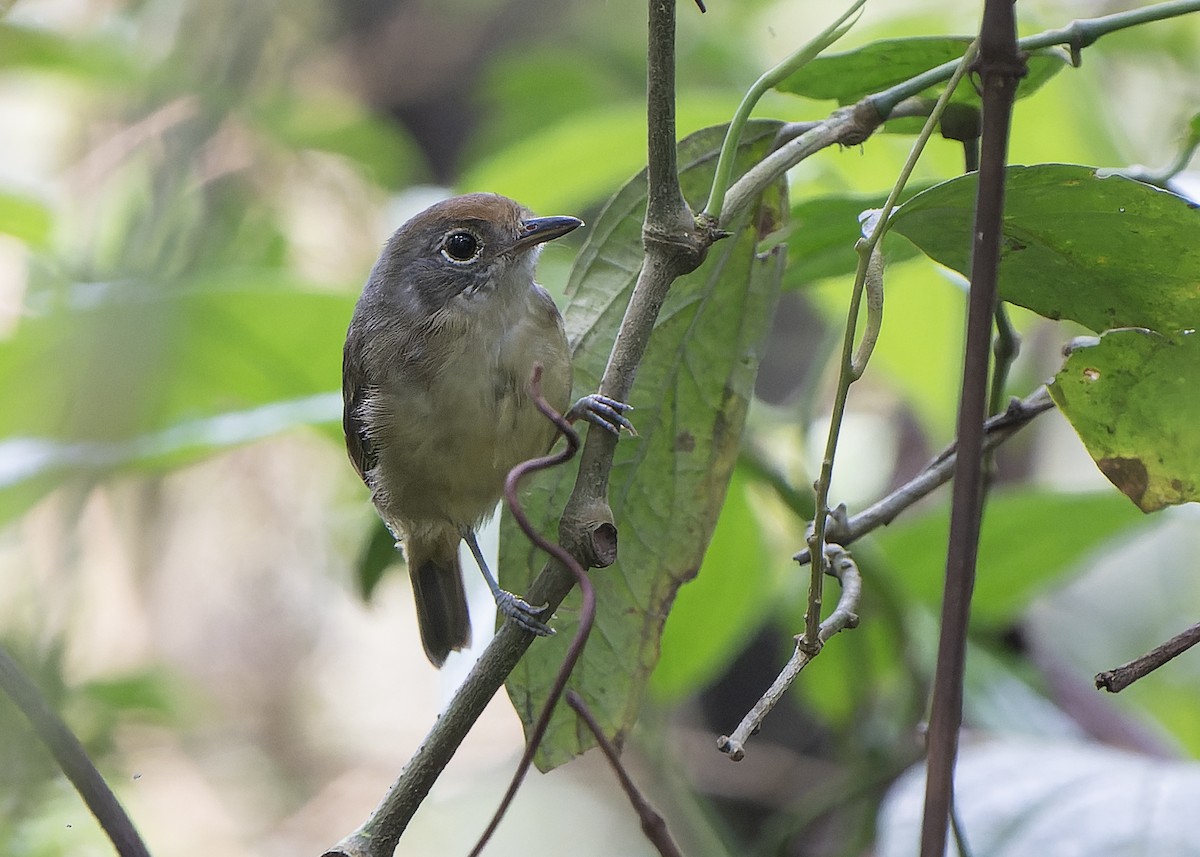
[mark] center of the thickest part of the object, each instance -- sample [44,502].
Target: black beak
[537,230]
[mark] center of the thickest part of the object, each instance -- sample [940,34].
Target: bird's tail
[438,590]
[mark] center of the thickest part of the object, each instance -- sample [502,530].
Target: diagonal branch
[849,126]
[72,758]
[998,429]
[842,566]
[1116,680]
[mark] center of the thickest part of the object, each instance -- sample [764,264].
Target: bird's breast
[456,431]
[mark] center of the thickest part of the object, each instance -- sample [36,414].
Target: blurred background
[191,195]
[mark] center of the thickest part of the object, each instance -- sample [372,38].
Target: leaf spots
[1128,474]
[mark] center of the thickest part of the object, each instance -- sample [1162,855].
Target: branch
[72,758]
[1116,680]
[845,615]
[766,82]
[996,431]
[1076,36]
[1001,67]
[849,126]
[653,824]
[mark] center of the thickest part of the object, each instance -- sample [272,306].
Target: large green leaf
[713,616]
[850,75]
[98,60]
[1029,540]
[667,484]
[578,160]
[146,377]
[1132,397]
[822,231]
[1104,251]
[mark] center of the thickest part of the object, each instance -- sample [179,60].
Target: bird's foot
[602,411]
[523,613]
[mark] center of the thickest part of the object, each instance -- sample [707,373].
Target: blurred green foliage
[211,188]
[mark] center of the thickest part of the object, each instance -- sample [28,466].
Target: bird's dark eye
[461,246]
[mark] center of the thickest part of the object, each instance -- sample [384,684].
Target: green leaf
[150,692]
[1132,399]
[713,616]
[136,378]
[25,218]
[120,363]
[1029,540]
[340,127]
[578,160]
[821,234]
[1022,797]
[848,76]
[667,484]
[1104,251]
[42,50]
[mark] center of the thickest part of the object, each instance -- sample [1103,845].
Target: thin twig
[842,566]
[767,81]
[653,824]
[1001,67]
[587,610]
[997,430]
[850,369]
[1116,680]
[72,758]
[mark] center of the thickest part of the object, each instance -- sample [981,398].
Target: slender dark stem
[1001,68]
[72,758]
[653,824]
[587,610]
[1116,680]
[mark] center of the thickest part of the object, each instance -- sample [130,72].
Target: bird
[435,386]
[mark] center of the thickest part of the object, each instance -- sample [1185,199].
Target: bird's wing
[356,383]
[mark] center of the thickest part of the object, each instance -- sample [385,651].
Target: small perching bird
[435,378]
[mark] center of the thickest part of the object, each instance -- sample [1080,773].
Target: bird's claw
[523,613]
[608,414]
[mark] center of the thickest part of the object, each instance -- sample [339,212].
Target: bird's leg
[517,609]
[599,410]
